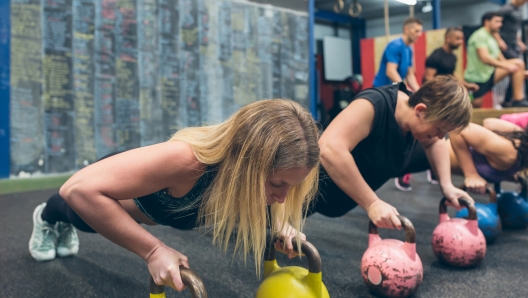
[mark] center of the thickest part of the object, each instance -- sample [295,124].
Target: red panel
[420,57]
[464,56]
[325,90]
[367,62]
[487,101]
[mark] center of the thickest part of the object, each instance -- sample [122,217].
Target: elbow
[327,153]
[488,123]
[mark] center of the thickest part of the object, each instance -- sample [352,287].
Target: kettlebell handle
[410,233]
[189,278]
[307,249]
[472,211]
[489,190]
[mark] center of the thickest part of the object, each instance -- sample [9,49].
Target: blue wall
[5,31]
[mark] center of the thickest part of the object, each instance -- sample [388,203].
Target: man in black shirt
[443,62]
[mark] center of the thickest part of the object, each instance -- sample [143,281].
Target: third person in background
[396,66]
[443,61]
[486,65]
[509,37]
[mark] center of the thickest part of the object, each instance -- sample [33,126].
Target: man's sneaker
[67,240]
[519,103]
[431,177]
[402,183]
[42,242]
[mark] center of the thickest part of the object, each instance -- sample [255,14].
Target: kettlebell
[292,281]
[513,208]
[459,242]
[390,267]
[488,218]
[190,280]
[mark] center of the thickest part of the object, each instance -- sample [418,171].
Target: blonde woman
[384,133]
[221,177]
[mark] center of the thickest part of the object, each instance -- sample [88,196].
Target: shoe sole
[430,179]
[66,252]
[398,186]
[39,257]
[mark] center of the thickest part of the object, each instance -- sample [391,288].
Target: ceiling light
[427,8]
[408,2]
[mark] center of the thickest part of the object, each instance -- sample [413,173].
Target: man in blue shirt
[397,61]
[397,65]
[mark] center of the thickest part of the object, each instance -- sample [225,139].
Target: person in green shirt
[486,64]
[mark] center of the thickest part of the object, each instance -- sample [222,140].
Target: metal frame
[358,31]
[436,14]
[5,38]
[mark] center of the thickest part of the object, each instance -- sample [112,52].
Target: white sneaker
[42,242]
[67,240]
[431,177]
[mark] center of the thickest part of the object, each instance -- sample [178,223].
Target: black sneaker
[403,183]
[520,103]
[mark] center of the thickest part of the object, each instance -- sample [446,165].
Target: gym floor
[103,269]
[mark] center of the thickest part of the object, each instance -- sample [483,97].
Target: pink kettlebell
[390,267]
[456,241]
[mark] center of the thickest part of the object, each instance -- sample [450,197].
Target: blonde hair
[447,102]
[247,148]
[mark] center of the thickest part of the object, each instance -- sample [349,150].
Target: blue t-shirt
[396,52]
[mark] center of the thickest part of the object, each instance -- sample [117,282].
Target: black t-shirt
[511,23]
[444,63]
[385,152]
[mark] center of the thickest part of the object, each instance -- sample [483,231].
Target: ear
[420,108]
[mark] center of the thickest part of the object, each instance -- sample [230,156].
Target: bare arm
[495,124]
[495,148]
[411,80]
[93,193]
[437,151]
[521,44]
[485,57]
[392,72]
[429,73]
[502,44]
[349,128]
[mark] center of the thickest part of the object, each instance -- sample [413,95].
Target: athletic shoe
[519,103]
[67,240]
[431,177]
[42,242]
[402,183]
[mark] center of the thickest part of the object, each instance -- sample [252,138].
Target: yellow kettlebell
[190,280]
[292,281]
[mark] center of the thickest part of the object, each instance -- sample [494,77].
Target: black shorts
[512,52]
[484,87]
[333,202]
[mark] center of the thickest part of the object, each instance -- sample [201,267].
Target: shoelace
[46,239]
[66,234]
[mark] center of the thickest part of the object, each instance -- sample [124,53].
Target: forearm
[342,168]
[463,155]
[438,156]
[413,83]
[494,62]
[394,76]
[106,216]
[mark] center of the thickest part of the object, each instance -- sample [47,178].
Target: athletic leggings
[58,210]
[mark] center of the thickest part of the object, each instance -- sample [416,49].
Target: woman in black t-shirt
[386,132]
